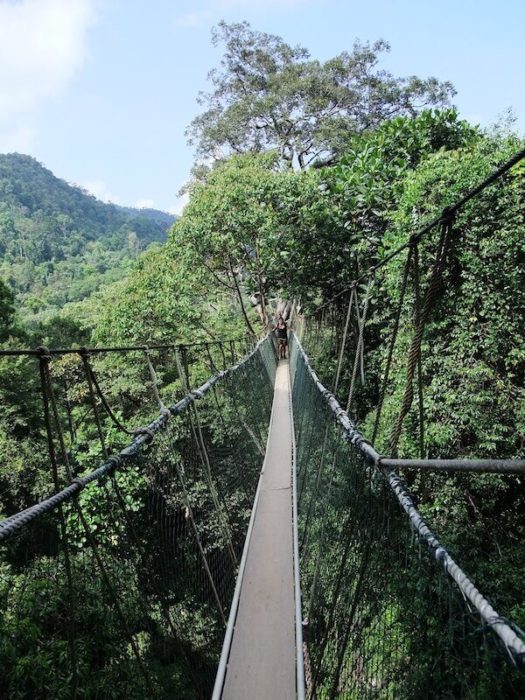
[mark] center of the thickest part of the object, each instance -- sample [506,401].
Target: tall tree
[7,310]
[270,95]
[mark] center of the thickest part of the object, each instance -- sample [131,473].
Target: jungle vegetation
[319,171]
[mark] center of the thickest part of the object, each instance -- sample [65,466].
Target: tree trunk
[241,302]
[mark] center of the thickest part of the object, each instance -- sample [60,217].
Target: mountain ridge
[58,243]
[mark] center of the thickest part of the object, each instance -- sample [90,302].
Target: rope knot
[113,462]
[78,480]
[145,431]
[441,556]
[447,215]
[44,352]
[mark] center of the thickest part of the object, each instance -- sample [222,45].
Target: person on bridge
[281,333]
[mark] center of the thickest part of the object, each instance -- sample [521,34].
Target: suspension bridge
[249,542]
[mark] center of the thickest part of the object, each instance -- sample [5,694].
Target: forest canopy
[273,96]
[315,172]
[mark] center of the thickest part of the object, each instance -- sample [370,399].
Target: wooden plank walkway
[262,659]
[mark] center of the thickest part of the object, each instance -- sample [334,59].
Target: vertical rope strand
[391,347]
[415,348]
[45,380]
[417,309]
[358,359]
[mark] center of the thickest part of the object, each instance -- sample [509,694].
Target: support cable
[90,536]
[415,347]
[439,220]
[359,354]
[343,341]
[417,316]
[45,384]
[495,622]
[391,347]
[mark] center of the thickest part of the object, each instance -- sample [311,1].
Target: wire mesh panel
[121,586]
[382,618]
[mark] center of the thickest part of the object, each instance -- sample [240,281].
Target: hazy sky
[100,91]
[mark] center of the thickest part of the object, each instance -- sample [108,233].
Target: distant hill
[58,243]
[159,217]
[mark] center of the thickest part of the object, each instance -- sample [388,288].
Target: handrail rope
[350,433]
[17,352]
[417,316]
[11,524]
[495,466]
[442,218]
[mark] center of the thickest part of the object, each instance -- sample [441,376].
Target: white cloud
[42,46]
[144,203]
[194,19]
[179,205]
[100,190]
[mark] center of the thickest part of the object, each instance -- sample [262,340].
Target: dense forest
[58,244]
[325,169]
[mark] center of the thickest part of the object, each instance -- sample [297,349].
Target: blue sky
[100,91]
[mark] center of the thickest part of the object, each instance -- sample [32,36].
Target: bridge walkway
[262,656]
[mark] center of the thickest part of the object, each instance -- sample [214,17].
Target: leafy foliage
[270,95]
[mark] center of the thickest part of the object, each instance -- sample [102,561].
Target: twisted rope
[415,347]
[391,347]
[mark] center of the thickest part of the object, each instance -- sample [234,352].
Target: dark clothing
[281,333]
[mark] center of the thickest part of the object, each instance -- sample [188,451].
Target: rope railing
[10,525]
[374,604]
[145,562]
[362,528]
[28,352]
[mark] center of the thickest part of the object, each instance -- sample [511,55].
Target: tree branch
[241,302]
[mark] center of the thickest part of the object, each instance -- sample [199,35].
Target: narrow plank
[262,658]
